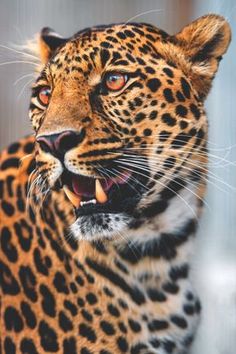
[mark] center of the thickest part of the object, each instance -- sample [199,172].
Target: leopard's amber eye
[44,95]
[115,81]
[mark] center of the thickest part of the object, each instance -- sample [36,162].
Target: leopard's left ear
[203,43]
[49,41]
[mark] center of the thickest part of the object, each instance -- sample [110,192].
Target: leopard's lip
[83,191]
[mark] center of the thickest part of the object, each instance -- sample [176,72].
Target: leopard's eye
[115,81]
[44,95]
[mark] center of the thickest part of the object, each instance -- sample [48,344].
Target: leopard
[100,206]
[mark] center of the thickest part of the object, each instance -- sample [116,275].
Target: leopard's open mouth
[101,195]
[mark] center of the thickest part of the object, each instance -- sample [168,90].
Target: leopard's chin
[99,226]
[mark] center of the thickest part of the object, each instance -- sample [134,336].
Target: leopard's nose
[58,144]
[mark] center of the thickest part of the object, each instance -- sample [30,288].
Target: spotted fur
[109,282]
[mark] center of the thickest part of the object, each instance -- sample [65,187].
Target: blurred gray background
[214,263]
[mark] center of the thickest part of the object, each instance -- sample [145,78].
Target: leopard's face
[117,117]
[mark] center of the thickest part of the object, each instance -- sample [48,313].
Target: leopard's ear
[203,43]
[49,41]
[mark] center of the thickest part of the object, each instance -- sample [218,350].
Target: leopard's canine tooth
[75,199]
[100,194]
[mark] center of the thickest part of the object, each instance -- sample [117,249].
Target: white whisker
[21,78]
[19,52]
[23,88]
[18,62]
[170,179]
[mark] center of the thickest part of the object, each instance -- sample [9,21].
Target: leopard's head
[119,119]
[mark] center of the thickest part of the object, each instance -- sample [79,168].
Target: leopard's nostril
[66,141]
[45,144]
[59,144]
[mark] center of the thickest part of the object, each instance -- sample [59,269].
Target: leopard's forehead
[120,32]
[129,42]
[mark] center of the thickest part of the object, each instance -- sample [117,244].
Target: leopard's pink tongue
[84,187]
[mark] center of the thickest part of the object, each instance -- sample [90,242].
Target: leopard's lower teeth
[86,202]
[100,194]
[75,199]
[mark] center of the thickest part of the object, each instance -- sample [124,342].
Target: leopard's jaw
[114,226]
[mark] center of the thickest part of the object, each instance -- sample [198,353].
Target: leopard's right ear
[49,41]
[203,43]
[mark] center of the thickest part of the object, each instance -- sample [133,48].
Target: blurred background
[214,263]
